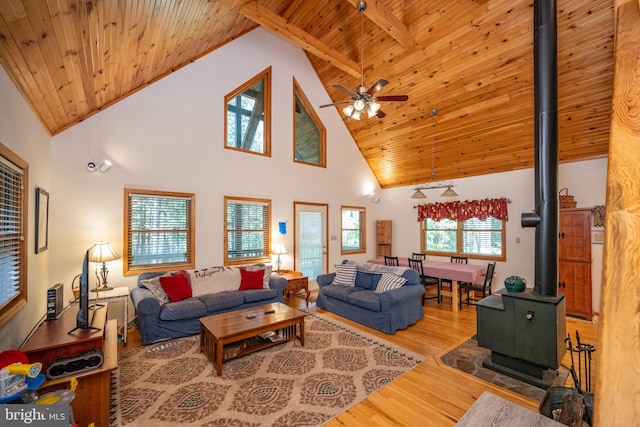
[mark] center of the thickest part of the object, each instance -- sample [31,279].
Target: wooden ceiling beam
[280,27]
[387,21]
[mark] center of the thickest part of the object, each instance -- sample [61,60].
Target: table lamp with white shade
[102,252]
[279,249]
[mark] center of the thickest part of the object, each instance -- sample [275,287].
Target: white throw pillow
[345,275]
[389,281]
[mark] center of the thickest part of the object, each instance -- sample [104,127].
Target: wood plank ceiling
[472,60]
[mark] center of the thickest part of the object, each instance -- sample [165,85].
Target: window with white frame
[159,231]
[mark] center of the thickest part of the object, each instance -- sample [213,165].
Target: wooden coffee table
[239,331]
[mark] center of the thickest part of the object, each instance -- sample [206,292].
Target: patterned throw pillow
[155,288]
[345,275]
[389,281]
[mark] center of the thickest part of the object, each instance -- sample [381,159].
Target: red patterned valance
[462,211]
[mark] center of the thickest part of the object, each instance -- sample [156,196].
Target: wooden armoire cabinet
[383,238]
[574,261]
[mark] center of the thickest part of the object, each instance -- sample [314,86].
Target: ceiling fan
[363,99]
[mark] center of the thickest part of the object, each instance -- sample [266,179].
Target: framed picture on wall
[598,216]
[42,220]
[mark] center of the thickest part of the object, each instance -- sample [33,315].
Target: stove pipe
[545,84]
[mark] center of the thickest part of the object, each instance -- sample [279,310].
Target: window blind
[159,230]
[11,231]
[248,229]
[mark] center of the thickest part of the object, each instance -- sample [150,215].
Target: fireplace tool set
[555,396]
[584,353]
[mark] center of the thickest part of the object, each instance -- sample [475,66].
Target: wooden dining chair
[391,260]
[455,260]
[416,264]
[484,287]
[418,255]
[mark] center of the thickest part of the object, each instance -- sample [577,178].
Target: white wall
[585,180]
[169,136]
[21,132]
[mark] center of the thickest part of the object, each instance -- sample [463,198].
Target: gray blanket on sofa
[378,268]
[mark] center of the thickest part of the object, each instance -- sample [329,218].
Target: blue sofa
[158,322]
[387,312]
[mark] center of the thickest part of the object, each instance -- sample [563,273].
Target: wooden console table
[52,341]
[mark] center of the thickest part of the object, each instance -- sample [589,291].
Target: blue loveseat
[387,311]
[159,321]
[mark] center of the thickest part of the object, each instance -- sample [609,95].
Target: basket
[566,200]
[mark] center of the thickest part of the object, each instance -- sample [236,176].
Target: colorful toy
[17,375]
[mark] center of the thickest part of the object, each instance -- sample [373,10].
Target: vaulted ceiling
[471,60]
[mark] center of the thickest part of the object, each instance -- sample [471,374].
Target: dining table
[446,270]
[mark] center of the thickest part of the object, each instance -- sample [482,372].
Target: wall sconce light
[104,166]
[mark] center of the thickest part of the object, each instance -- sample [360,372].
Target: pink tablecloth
[445,270]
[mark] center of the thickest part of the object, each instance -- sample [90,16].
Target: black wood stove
[525,331]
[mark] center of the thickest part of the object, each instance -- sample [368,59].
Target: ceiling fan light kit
[362,99]
[448,185]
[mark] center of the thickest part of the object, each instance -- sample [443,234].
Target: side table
[296,282]
[119,293]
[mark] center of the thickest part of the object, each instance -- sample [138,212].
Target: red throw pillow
[251,279]
[177,287]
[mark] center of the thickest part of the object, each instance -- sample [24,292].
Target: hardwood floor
[433,394]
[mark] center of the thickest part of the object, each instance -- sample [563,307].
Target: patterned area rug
[114,399]
[468,358]
[172,384]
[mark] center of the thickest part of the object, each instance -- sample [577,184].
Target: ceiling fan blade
[344,89]
[335,103]
[376,87]
[392,98]
[380,114]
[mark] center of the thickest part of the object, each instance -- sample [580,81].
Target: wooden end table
[296,282]
[240,331]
